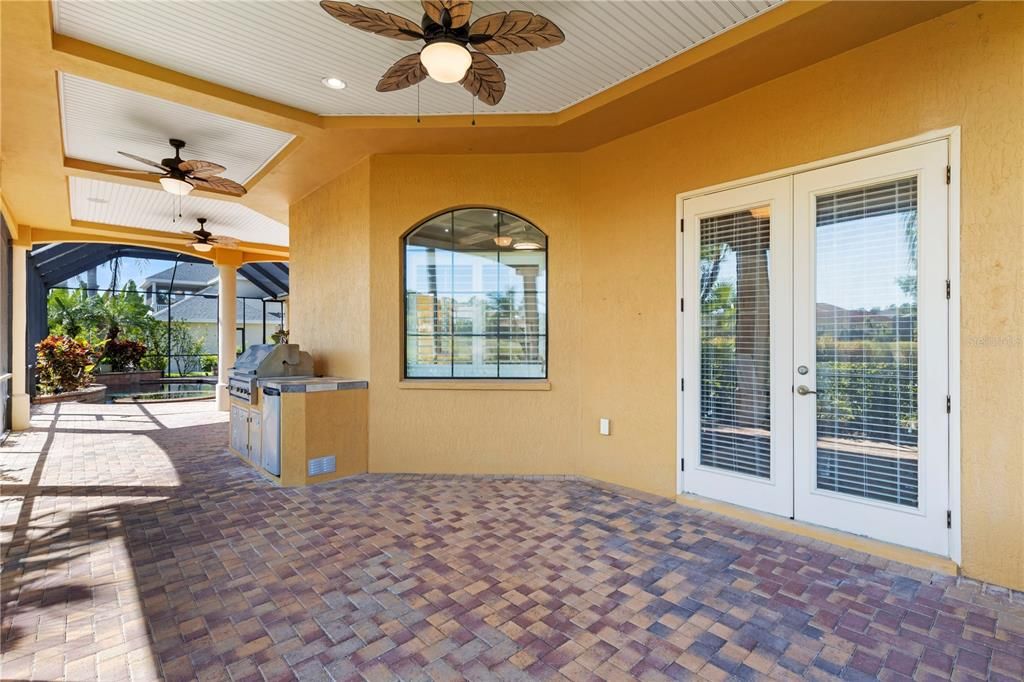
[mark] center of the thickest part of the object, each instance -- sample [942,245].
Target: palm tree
[67,311]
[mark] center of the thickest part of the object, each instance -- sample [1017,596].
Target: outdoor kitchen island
[294,428]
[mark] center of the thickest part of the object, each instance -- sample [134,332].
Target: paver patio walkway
[136,547]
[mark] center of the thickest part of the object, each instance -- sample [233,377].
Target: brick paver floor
[136,547]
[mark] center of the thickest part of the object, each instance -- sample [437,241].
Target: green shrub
[209,364]
[158,362]
[123,355]
[62,364]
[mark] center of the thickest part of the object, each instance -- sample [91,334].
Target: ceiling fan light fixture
[446,62]
[175,186]
[203,247]
[503,242]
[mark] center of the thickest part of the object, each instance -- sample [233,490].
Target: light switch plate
[605,427]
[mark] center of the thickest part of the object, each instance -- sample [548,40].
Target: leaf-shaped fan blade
[405,72]
[485,79]
[512,32]
[373,20]
[220,184]
[458,10]
[228,242]
[201,169]
[154,164]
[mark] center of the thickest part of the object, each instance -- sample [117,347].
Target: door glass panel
[735,345]
[866,338]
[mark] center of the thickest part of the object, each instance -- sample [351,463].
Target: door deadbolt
[802,369]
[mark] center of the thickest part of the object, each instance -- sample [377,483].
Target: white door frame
[952,135]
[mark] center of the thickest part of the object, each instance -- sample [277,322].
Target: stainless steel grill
[267,360]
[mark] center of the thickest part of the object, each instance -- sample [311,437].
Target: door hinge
[949,518]
[682,224]
[682,384]
[949,404]
[949,174]
[682,305]
[682,465]
[949,289]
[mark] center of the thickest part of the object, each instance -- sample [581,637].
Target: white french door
[815,346]
[871,327]
[737,350]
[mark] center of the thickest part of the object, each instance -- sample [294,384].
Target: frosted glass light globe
[446,62]
[175,186]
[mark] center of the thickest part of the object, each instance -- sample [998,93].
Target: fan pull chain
[417,102]
[473,97]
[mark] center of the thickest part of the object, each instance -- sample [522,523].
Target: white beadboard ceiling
[279,50]
[132,206]
[99,120]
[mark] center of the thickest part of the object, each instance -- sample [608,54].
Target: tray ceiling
[281,50]
[114,203]
[99,120]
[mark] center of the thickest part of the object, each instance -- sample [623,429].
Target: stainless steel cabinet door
[239,430]
[255,438]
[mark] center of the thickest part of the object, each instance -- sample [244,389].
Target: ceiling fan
[179,176]
[203,241]
[449,35]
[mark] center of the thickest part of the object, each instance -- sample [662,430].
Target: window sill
[477,385]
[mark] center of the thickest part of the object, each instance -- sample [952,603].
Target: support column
[20,418]
[227,317]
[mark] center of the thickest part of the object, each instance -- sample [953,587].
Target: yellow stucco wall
[610,215]
[328,308]
[475,431]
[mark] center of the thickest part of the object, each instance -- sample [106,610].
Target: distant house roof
[187,273]
[268,279]
[203,309]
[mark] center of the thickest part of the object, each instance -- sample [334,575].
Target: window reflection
[476,297]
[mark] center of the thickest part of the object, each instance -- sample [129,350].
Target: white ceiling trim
[98,120]
[280,50]
[126,205]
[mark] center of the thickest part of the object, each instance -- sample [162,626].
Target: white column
[19,337]
[227,321]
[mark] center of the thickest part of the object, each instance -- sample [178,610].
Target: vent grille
[321,465]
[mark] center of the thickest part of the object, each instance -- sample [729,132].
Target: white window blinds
[866,337]
[735,345]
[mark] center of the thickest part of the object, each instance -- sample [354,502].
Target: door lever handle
[803,390]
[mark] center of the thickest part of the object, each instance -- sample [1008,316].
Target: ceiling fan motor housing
[172,164]
[434,32]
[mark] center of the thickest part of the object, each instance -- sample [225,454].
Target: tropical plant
[62,364]
[107,315]
[113,313]
[123,355]
[67,311]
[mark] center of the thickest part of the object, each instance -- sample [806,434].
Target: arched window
[475,297]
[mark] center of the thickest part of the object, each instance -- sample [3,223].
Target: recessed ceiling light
[333,83]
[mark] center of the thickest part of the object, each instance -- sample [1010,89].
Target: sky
[131,268]
[859,263]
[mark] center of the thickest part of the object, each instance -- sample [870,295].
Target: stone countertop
[312,384]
